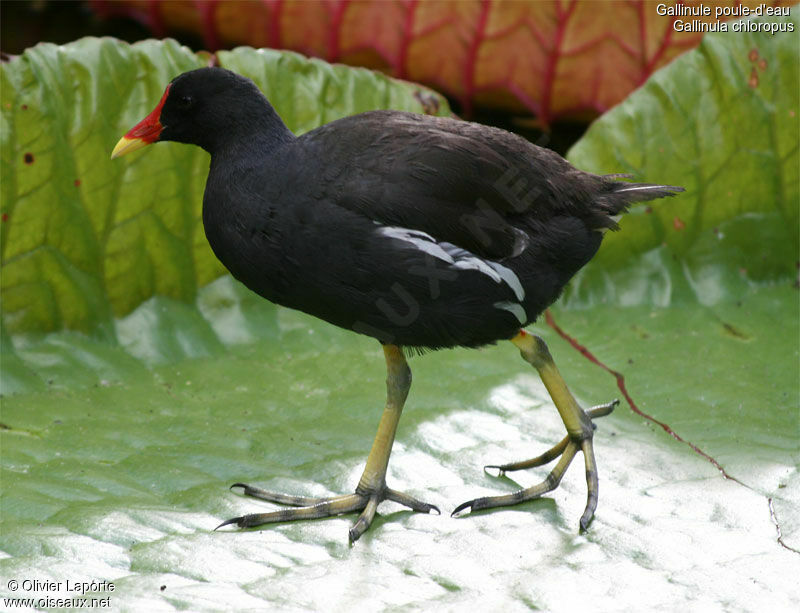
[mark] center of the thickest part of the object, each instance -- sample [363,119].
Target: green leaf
[116,457]
[721,121]
[86,239]
[125,480]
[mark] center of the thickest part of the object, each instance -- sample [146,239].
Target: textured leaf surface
[125,479]
[552,58]
[116,457]
[723,122]
[85,239]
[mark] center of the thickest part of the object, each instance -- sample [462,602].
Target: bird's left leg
[580,431]
[372,484]
[371,488]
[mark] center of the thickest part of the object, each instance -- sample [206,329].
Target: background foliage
[551,59]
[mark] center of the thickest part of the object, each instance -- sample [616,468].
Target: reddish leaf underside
[554,59]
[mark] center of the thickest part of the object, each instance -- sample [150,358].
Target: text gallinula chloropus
[422,232]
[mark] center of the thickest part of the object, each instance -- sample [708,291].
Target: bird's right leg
[580,432]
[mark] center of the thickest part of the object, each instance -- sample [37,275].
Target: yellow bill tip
[126,145]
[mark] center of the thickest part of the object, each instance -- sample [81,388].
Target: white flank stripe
[515,309]
[640,188]
[423,242]
[474,263]
[511,279]
[458,257]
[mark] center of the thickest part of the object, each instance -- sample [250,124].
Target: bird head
[202,107]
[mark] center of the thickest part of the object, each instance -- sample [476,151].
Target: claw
[497,467]
[461,507]
[228,522]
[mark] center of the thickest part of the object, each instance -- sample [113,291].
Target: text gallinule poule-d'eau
[422,232]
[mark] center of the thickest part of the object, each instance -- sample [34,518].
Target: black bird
[421,232]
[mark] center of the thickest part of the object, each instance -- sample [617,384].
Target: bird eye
[185,101]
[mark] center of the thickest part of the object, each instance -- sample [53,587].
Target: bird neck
[255,133]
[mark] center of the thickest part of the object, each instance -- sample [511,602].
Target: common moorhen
[421,232]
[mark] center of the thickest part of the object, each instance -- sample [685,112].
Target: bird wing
[469,185]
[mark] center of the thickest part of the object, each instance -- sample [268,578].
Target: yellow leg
[580,431]
[398,382]
[371,487]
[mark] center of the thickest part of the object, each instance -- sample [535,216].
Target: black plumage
[423,232]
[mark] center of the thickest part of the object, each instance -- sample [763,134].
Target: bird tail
[619,195]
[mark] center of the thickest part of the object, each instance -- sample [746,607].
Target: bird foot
[363,500]
[566,449]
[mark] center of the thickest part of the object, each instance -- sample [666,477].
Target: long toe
[592,484]
[531,493]
[292,501]
[364,520]
[409,501]
[326,507]
[547,457]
